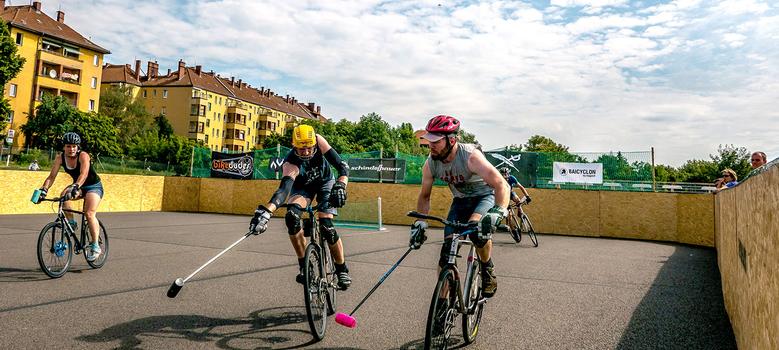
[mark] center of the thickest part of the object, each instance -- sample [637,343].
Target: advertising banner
[232,165]
[522,165]
[589,173]
[374,169]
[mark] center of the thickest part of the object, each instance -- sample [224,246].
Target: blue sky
[596,75]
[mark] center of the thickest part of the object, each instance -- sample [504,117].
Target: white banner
[591,173]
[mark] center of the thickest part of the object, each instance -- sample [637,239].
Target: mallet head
[345,320]
[175,288]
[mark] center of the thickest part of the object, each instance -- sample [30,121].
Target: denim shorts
[321,191]
[462,209]
[96,188]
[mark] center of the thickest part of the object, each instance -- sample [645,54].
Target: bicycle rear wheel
[315,292]
[54,250]
[528,227]
[440,318]
[102,242]
[514,228]
[472,295]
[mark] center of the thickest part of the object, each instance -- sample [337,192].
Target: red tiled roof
[28,18]
[115,73]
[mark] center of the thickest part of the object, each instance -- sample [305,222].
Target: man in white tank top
[480,193]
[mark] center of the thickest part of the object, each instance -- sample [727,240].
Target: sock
[341,267]
[301,263]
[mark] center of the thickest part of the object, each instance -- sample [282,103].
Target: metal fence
[23,158]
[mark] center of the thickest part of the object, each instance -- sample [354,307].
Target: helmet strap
[446,152]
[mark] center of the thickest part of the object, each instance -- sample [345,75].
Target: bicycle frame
[66,227]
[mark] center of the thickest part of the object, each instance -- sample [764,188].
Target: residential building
[59,61]
[222,113]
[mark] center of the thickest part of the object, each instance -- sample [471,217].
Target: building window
[163,111]
[206,138]
[154,92]
[12,90]
[96,60]
[11,117]
[144,93]
[164,93]
[209,106]
[91,105]
[94,83]
[208,122]
[19,39]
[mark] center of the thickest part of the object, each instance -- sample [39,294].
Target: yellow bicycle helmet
[303,136]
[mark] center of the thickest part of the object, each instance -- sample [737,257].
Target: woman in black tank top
[86,184]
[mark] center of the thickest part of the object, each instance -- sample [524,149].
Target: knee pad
[292,219]
[327,230]
[480,237]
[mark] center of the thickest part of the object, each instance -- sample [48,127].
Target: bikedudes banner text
[591,173]
[233,166]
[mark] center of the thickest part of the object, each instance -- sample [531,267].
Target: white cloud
[683,76]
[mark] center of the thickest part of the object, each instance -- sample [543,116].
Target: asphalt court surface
[569,293]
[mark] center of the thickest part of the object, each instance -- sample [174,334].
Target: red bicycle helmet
[443,124]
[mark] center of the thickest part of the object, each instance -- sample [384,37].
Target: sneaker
[503,228]
[489,282]
[94,252]
[344,281]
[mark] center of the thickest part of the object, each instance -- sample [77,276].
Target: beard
[444,154]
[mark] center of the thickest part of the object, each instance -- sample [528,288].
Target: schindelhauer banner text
[590,173]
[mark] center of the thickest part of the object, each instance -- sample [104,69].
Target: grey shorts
[320,191]
[96,188]
[461,211]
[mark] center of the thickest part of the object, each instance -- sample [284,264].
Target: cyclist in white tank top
[480,192]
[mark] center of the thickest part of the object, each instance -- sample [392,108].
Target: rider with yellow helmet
[305,175]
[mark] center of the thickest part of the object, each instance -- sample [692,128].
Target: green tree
[666,173]
[466,137]
[56,116]
[164,128]
[372,133]
[129,116]
[538,143]
[10,65]
[732,157]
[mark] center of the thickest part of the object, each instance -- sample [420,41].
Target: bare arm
[423,202]
[479,165]
[55,168]
[522,188]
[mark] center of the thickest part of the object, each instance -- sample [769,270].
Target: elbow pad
[335,160]
[280,196]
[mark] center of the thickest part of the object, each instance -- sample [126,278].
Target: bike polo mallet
[349,320]
[179,283]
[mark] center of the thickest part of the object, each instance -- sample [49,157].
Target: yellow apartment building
[59,61]
[225,114]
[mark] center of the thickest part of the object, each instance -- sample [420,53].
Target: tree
[538,143]
[56,116]
[129,116]
[164,128]
[736,158]
[10,65]
[466,137]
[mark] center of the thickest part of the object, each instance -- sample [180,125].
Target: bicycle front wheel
[102,241]
[443,311]
[473,309]
[315,292]
[528,227]
[331,282]
[54,250]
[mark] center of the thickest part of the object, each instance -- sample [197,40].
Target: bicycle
[320,281]
[449,299]
[519,223]
[55,249]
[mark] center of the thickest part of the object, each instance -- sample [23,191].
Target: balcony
[61,59]
[199,98]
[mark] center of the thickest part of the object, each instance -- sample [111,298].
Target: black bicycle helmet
[71,138]
[505,170]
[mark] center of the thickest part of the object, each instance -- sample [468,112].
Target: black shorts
[318,190]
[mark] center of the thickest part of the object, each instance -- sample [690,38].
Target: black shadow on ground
[683,308]
[263,329]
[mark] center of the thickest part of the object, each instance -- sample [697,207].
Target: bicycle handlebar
[309,208]
[419,215]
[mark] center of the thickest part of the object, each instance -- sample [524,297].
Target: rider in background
[86,184]
[306,174]
[512,181]
[480,194]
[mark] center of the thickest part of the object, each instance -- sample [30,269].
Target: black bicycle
[519,222]
[55,248]
[320,280]
[449,300]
